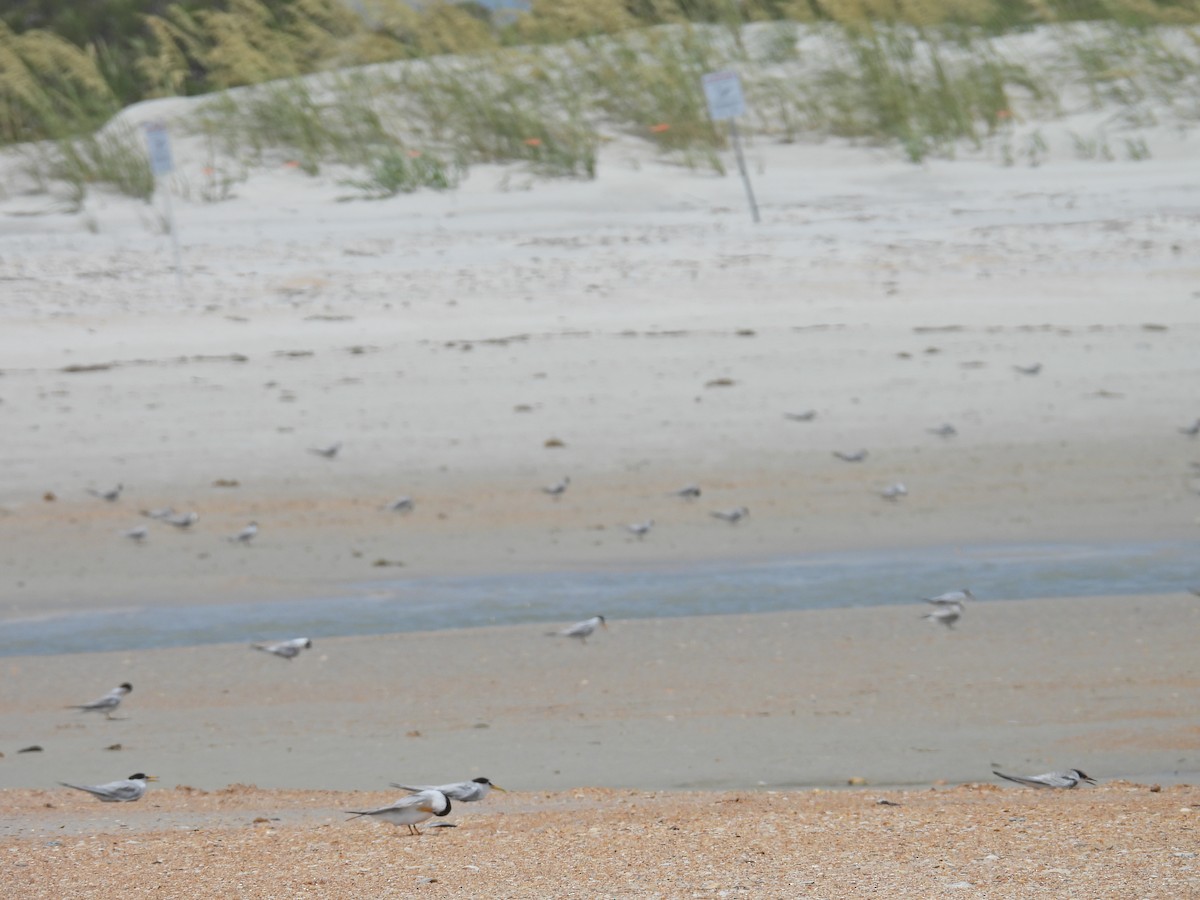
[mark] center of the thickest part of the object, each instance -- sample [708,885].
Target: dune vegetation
[410,97]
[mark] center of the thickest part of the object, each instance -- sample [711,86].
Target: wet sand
[804,699]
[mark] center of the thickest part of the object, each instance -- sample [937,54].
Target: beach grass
[546,88]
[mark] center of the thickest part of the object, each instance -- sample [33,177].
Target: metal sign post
[723,91]
[158,145]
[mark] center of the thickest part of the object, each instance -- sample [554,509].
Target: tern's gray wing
[113,792]
[416,788]
[286,649]
[1048,780]
[463,791]
[108,701]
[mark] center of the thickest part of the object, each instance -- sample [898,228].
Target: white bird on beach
[640,529]
[137,535]
[183,521]
[732,516]
[856,456]
[410,810]
[126,791]
[1071,778]
[463,791]
[328,452]
[1191,430]
[894,491]
[111,495]
[687,492]
[289,649]
[806,416]
[108,703]
[558,488]
[401,504]
[945,614]
[162,512]
[951,598]
[581,630]
[246,535]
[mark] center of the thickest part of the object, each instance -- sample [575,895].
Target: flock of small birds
[424,802]
[405,504]
[420,802]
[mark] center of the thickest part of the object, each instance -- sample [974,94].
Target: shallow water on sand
[1010,572]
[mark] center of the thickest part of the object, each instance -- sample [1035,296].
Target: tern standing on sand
[945,613]
[558,488]
[108,703]
[581,630]
[328,452]
[640,529]
[410,810]
[246,535]
[125,791]
[732,516]
[182,521]
[289,649]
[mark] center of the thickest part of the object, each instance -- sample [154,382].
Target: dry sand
[642,321]
[1119,840]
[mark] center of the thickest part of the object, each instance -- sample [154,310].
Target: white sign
[158,143]
[723,91]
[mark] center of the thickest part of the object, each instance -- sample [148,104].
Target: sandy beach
[636,333]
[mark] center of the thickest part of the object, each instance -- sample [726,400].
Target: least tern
[138,534]
[111,495]
[856,456]
[894,491]
[687,492]
[461,791]
[1029,370]
[289,649]
[246,535]
[582,630]
[328,452]
[1071,778]
[807,416]
[160,513]
[182,521]
[401,504]
[1191,430]
[410,810]
[640,529]
[558,488]
[946,614]
[947,430]
[732,516]
[108,703]
[950,598]
[132,788]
